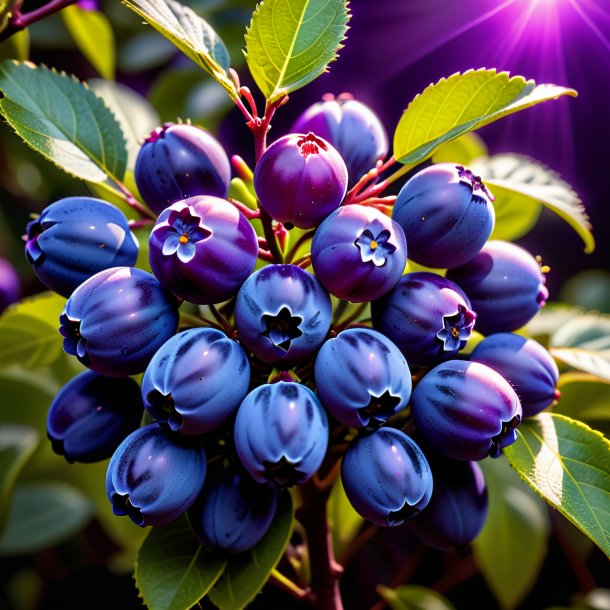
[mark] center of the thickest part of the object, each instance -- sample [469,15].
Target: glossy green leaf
[133,111]
[414,597]
[568,464]
[463,150]
[583,397]
[173,570]
[512,546]
[93,35]
[63,120]
[344,520]
[42,515]
[461,103]
[29,331]
[522,186]
[17,443]
[291,42]
[190,33]
[550,318]
[246,574]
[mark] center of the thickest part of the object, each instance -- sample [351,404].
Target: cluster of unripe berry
[260,400]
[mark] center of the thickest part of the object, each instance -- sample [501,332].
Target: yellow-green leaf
[463,102]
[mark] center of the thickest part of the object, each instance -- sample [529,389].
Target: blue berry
[202,249]
[75,238]
[91,415]
[281,434]
[358,253]
[426,315]
[116,320]
[386,477]
[465,410]
[362,378]
[232,513]
[154,476]
[10,285]
[300,179]
[528,367]
[505,285]
[178,161]
[196,381]
[282,313]
[446,214]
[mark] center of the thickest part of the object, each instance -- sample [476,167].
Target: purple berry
[196,381]
[351,127]
[116,320]
[300,179]
[178,161]
[529,368]
[91,415]
[505,285]
[465,410]
[281,434]
[282,313]
[457,509]
[386,477]
[75,238]
[233,513]
[202,249]
[427,316]
[154,476]
[446,214]
[362,378]
[358,253]
[10,285]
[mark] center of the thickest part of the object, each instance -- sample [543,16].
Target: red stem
[367,185]
[133,203]
[244,209]
[19,21]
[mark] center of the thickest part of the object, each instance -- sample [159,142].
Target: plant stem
[287,585]
[19,21]
[325,571]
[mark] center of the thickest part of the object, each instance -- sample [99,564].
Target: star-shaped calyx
[74,343]
[282,473]
[282,328]
[181,232]
[379,409]
[375,248]
[33,252]
[163,409]
[507,436]
[474,182]
[457,328]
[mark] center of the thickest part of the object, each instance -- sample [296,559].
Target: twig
[19,21]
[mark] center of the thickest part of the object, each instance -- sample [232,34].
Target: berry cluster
[281,383]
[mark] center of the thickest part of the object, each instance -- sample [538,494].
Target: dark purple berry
[154,475]
[505,285]
[300,179]
[116,320]
[203,249]
[196,381]
[426,315]
[10,285]
[529,368]
[233,513]
[457,509]
[282,313]
[178,161]
[386,476]
[446,214]
[91,415]
[351,127]
[75,238]
[362,378]
[465,410]
[281,434]
[358,253]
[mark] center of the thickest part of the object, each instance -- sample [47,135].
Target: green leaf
[63,120]
[191,34]
[17,46]
[462,150]
[568,464]
[291,42]
[550,318]
[512,546]
[29,331]
[246,574]
[93,35]
[42,515]
[344,520]
[173,570]
[17,443]
[414,597]
[135,114]
[521,186]
[461,103]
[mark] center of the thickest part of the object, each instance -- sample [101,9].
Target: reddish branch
[19,21]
